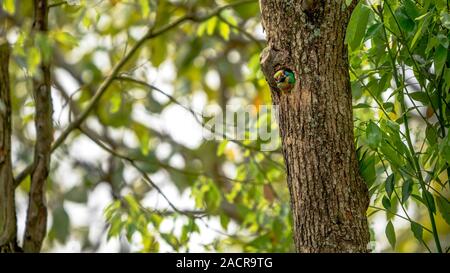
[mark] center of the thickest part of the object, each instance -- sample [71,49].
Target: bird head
[285,79]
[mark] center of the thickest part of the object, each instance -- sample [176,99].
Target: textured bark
[36,223]
[329,199]
[8,228]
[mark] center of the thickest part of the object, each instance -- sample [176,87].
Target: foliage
[401,79]
[236,193]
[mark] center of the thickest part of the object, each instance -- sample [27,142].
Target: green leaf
[33,60]
[374,135]
[133,205]
[224,220]
[392,155]
[392,126]
[224,31]
[230,18]
[417,231]
[372,30]
[445,148]
[428,199]
[422,25]
[61,224]
[65,39]
[386,203]
[389,184]
[361,105]
[145,7]
[432,43]
[8,6]
[130,230]
[443,40]
[143,136]
[213,198]
[444,208]
[384,83]
[221,147]
[211,25]
[116,226]
[417,197]
[445,19]
[237,187]
[357,90]
[86,22]
[420,96]
[390,234]
[111,210]
[356,29]
[389,107]
[367,168]
[171,240]
[405,22]
[411,9]
[440,57]
[431,135]
[406,189]
[116,101]
[247,11]
[184,238]
[45,46]
[77,194]
[202,29]
[156,220]
[158,49]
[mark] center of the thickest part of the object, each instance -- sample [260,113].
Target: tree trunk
[8,228]
[329,199]
[36,223]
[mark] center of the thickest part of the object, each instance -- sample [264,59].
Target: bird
[285,79]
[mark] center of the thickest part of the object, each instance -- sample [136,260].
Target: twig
[194,114]
[57,4]
[147,179]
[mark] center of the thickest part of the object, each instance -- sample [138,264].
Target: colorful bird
[285,79]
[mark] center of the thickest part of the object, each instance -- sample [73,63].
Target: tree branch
[196,18]
[57,4]
[36,223]
[228,208]
[8,226]
[196,116]
[147,179]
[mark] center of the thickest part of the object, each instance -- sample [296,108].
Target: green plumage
[285,79]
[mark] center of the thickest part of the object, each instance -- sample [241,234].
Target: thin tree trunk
[8,228]
[329,199]
[36,223]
